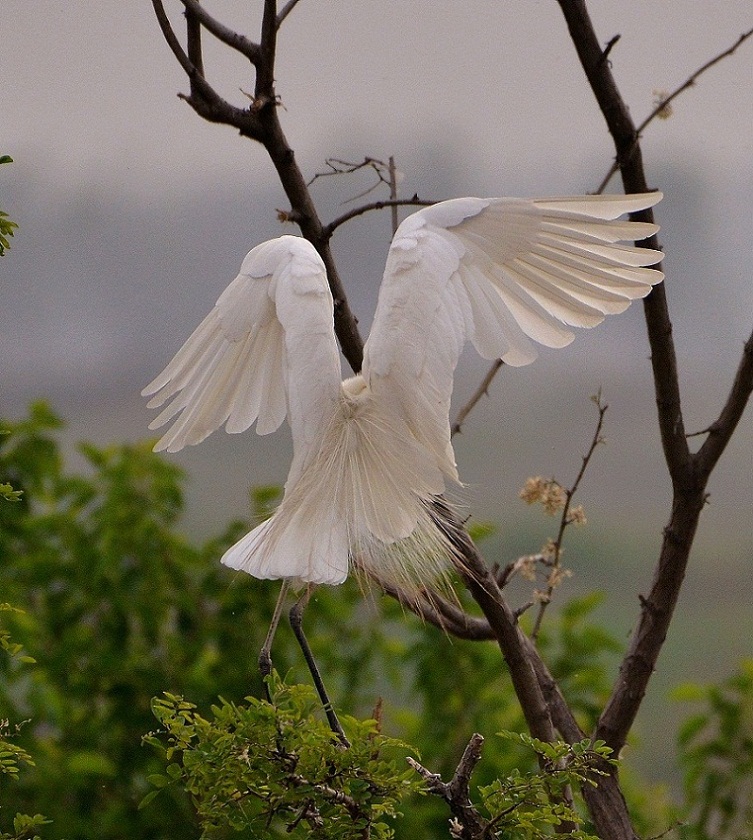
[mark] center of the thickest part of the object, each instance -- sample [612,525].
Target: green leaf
[148,798]
[9,494]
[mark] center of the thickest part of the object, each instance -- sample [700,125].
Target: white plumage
[370,453]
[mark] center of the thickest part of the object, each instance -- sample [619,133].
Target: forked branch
[467,823]
[234,40]
[665,101]
[260,122]
[689,473]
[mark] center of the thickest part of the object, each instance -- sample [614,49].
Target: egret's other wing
[503,273]
[266,351]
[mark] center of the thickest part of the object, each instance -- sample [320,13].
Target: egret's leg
[296,622]
[265,654]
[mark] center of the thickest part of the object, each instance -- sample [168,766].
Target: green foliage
[25,827]
[118,607]
[9,494]
[716,750]
[529,805]
[274,768]
[6,225]
[13,649]
[439,711]
[269,768]
[12,756]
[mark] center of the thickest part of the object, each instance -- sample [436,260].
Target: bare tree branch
[204,99]
[541,701]
[265,68]
[285,11]
[195,52]
[566,519]
[193,41]
[223,33]
[393,193]
[329,229]
[260,122]
[502,620]
[338,166]
[481,391]
[689,474]
[468,824]
[722,428]
[442,613]
[172,40]
[667,100]
[450,618]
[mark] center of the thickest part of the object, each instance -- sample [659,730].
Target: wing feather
[266,351]
[505,274]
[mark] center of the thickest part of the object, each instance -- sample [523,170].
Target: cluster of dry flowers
[555,499]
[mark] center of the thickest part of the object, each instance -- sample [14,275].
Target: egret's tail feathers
[365,496]
[284,547]
[412,566]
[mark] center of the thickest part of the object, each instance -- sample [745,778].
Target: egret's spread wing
[503,273]
[267,350]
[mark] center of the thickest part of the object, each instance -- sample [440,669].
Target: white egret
[370,453]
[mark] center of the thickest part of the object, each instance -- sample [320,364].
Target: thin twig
[481,391]
[468,823]
[393,193]
[223,33]
[667,100]
[329,229]
[566,519]
[339,797]
[285,11]
[337,166]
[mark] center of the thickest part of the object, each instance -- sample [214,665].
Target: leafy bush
[266,766]
[13,756]
[716,751]
[117,608]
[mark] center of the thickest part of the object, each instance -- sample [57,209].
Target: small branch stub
[466,822]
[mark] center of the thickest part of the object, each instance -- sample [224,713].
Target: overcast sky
[89,88]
